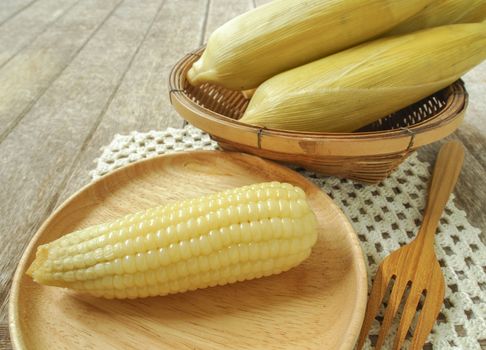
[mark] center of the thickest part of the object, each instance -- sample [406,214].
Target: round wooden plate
[318,305]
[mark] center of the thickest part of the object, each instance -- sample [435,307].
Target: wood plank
[15,34]
[4,336]
[10,8]
[142,84]
[42,149]
[473,131]
[142,100]
[470,190]
[476,86]
[475,141]
[26,77]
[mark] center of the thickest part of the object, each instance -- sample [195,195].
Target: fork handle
[446,172]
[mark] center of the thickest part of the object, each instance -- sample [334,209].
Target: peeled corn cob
[350,89]
[443,12]
[284,34]
[235,235]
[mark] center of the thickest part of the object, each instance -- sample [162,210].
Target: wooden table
[75,72]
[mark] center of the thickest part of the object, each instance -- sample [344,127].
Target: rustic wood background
[75,72]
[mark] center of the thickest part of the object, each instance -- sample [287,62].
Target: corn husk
[444,12]
[350,89]
[284,34]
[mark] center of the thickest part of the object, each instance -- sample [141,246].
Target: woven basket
[368,155]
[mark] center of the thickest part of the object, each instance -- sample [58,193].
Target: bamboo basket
[368,155]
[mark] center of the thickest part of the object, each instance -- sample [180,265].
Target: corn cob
[284,34]
[235,235]
[443,12]
[350,89]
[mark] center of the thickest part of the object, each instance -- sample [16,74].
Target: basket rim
[445,121]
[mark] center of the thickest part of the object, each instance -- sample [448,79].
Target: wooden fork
[416,264]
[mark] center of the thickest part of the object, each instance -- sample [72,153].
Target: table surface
[75,72]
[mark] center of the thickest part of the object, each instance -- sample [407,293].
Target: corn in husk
[284,34]
[443,12]
[231,236]
[350,89]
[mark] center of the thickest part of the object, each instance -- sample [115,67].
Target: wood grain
[15,35]
[142,98]
[317,305]
[25,78]
[63,119]
[475,82]
[141,101]
[471,188]
[415,266]
[10,8]
[474,141]
[4,336]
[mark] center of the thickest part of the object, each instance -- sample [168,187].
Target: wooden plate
[317,305]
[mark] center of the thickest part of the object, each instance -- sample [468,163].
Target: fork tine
[428,315]
[374,301]
[391,309]
[409,311]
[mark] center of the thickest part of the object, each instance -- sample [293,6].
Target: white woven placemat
[385,216]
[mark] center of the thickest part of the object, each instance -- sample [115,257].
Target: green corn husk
[443,12]
[348,90]
[284,34]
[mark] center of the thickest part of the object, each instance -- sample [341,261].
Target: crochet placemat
[385,216]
